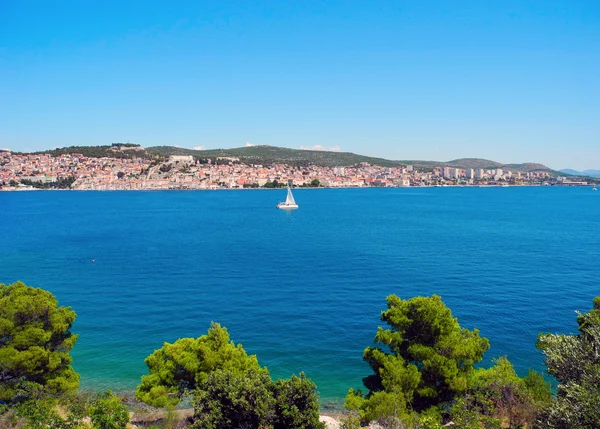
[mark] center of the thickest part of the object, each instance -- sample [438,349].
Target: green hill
[528,167]
[279,155]
[474,163]
[116,150]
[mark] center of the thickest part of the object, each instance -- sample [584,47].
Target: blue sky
[511,81]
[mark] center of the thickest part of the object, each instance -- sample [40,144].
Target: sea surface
[303,290]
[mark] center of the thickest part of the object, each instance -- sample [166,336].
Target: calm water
[303,290]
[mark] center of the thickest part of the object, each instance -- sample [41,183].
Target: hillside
[528,166]
[279,155]
[116,150]
[268,155]
[474,163]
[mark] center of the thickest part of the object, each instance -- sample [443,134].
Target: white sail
[290,198]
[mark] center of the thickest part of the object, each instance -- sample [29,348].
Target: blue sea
[303,290]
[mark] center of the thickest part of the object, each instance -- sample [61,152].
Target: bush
[107,412]
[574,360]
[232,400]
[296,404]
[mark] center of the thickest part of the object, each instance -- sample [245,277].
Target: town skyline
[133,168]
[321,149]
[509,81]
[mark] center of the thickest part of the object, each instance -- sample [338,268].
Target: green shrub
[296,404]
[232,400]
[107,412]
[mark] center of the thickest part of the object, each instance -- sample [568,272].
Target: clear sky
[511,81]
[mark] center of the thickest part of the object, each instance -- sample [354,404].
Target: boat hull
[284,206]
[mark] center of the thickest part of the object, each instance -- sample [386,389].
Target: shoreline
[141,414]
[10,189]
[142,420]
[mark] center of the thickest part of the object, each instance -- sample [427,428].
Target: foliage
[473,413]
[498,394]
[227,400]
[71,412]
[179,368]
[253,400]
[76,406]
[107,412]
[430,359]
[351,421]
[315,183]
[229,388]
[426,375]
[35,341]
[38,414]
[274,184]
[538,388]
[574,360]
[116,150]
[60,183]
[296,404]
[354,406]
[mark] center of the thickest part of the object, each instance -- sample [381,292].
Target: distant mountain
[570,172]
[586,173]
[267,155]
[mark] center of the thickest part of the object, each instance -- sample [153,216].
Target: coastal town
[79,172]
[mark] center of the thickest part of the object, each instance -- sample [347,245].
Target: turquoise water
[304,289]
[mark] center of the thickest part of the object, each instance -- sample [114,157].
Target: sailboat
[289,203]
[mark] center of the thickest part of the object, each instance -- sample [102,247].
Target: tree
[574,360]
[428,359]
[252,400]
[179,368]
[296,404]
[229,399]
[315,183]
[228,387]
[35,341]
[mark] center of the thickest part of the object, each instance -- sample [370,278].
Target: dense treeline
[60,183]
[116,150]
[424,375]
